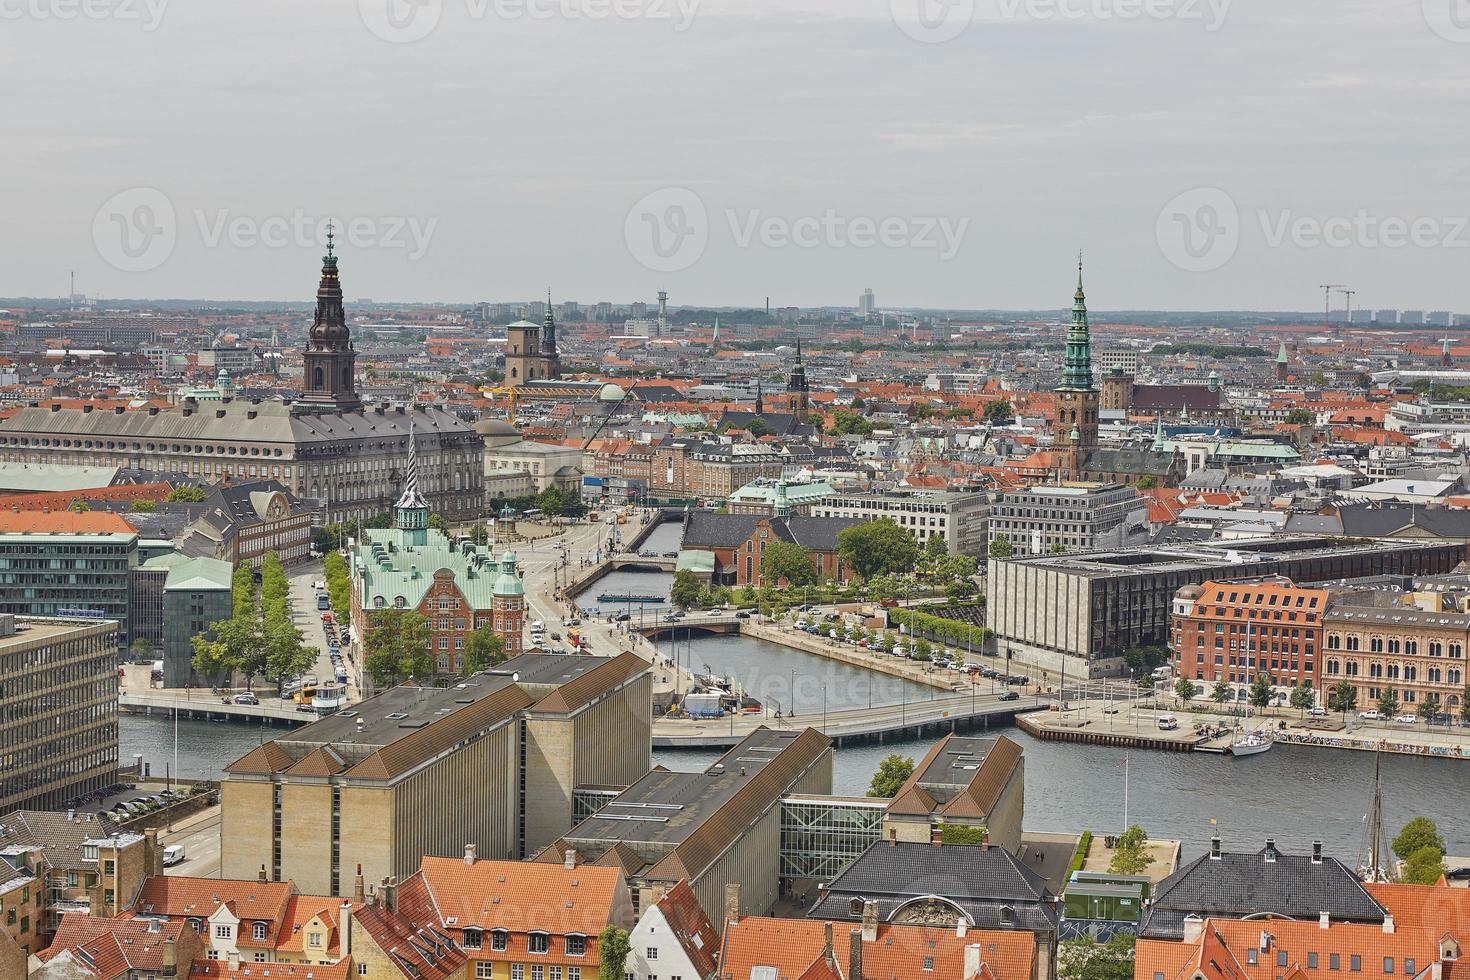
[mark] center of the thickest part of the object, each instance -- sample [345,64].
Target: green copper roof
[509,583]
[1077,371]
[388,565]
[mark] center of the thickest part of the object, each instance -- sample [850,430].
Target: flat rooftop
[664,808]
[1245,552]
[396,713]
[546,668]
[956,764]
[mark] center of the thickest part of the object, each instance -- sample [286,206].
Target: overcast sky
[1206,154]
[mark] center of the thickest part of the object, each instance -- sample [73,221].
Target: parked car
[319,585]
[1407,720]
[1317,711]
[742,615]
[1010,696]
[245,698]
[1370,715]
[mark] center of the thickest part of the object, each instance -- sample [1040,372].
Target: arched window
[319,378]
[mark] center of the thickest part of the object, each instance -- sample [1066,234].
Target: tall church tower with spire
[1074,431]
[797,391]
[329,380]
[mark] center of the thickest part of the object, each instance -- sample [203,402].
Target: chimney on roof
[170,958]
[732,904]
[152,852]
[1270,852]
[390,893]
[984,838]
[1324,920]
[262,876]
[469,854]
[1388,923]
[357,895]
[1214,848]
[345,918]
[870,921]
[936,836]
[56,406]
[1194,927]
[972,962]
[118,410]
[960,928]
[855,954]
[1316,852]
[892,836]
[569,860]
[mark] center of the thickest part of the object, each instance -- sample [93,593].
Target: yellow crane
[511,396]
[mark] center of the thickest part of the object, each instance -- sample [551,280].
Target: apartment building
[383,784]
[58,731]
[1418,654]
[959,519]
[68,565]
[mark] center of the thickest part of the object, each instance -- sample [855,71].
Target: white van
[1168,723]
[172,855]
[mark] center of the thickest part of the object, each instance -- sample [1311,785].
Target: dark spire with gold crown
[1077,370]
[796,386]
[548,330]
[328,376]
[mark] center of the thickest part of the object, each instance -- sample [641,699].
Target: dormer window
[89,852]
[257,931]
[538,942]
[473,939]
[498,940]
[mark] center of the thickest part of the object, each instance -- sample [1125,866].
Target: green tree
[858,403]
[212,659]
[1429,707]
[1186,690]
[1303,697]
[959,590]
[1146,483]
[286,655]
[1418,833]
[1144,660]
[438,523]
[685,591]
[79,507]
[1300,416]
[1424,867]
[923,650]
[1388,702]
[998,413]
[612,953]
[1261,691]
[788,561]
[1342,697]
[1465,704]
[846,423]
[1088,959]
[892,773]
[1220,693]
[483,650]
[1001,547]
[143,507]
[1130,855]
[397,646]
[757,427]
[935,548]
[141,649]
[186,495]
[877,547]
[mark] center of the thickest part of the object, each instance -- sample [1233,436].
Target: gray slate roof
[979,880]
[1239,885]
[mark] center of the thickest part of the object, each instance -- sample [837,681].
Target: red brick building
[1236,631]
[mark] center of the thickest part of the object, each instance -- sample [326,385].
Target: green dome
[509,583]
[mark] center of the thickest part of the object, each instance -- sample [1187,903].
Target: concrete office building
[493,761]
[58,733]
[68,565]
[958,518]
[1082,612]
[1076,518]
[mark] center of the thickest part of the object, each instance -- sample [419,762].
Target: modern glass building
[67,565]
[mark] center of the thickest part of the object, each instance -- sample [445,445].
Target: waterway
[1294,793]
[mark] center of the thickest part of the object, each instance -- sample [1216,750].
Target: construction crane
[512,398]
[1327,302]
[1349,293]
[608,417]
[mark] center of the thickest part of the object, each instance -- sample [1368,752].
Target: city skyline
[620,155]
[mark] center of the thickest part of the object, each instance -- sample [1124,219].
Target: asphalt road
[200,837]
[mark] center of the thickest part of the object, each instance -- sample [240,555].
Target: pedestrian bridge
[657,626]
[641,563]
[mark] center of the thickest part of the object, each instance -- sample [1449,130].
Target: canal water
[1294,793]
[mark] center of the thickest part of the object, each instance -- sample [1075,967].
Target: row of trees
[951,632]
[259,638]
[1341,697]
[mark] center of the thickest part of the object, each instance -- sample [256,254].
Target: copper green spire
[1077,370]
